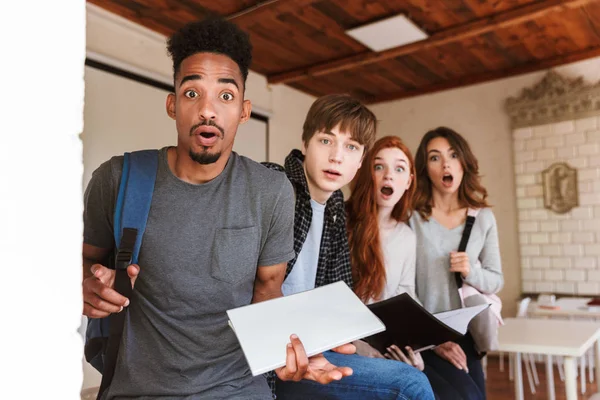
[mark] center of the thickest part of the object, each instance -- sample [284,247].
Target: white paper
[323,318]
[459,319]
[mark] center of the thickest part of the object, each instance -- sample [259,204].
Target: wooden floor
[499,387]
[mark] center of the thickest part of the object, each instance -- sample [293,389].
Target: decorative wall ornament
[555,98]
[560,188]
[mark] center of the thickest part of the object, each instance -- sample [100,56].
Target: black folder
[409,324]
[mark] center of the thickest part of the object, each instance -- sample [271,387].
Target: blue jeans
[373,379]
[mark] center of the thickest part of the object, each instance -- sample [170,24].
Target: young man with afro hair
[219,236]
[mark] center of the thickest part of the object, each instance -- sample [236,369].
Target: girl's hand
[459,262]
[394,353]
[454,354]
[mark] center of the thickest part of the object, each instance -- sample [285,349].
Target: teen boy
[337,132]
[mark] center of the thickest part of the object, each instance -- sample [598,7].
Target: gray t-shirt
[199,257]
[436,285]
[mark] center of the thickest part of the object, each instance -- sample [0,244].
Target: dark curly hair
[211,35]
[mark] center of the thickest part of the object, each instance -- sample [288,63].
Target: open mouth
[206,137]
[448,179]
[386,190]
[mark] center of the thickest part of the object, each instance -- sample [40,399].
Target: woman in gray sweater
[448,184]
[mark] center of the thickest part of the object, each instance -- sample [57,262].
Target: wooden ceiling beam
[263,7]
[450,35]
[489,76]
[256,9]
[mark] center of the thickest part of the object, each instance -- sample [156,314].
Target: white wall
[477,112]
[121,115]
[40,198]
[124,41]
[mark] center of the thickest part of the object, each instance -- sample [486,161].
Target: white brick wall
[559,253]
[563,287]
[586,124]
[590,288]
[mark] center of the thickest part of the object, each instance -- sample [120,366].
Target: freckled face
[392,176]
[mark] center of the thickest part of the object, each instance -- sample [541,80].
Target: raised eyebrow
[193,77]
[229,81]
[434,151]
[404,161]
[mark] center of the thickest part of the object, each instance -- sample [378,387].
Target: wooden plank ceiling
[303,42]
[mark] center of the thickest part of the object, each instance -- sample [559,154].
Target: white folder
[323,318]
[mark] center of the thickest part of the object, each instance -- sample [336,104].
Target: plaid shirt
[334,252]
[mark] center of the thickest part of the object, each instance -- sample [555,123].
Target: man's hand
[459,262]
[454,354]
[394,353]
[99,298]
[366,350]
[316,368]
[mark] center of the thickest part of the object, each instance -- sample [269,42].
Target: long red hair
[368,269]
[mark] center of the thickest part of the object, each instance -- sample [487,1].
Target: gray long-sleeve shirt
[435,284]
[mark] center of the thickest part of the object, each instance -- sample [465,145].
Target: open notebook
[323,318]
[409,324]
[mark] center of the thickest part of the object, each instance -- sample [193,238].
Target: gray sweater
[435,284]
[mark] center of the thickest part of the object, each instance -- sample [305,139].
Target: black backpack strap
[131,214]
[464,241]
[117,320]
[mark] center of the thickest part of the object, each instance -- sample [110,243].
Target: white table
[575,307]
[550,337]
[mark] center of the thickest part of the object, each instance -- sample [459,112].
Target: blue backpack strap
[134,199]
[135,195]
[121,199]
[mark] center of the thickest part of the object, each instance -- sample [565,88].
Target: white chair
[547,299]
[530,368]
[591,364]
[521,313]
[529,359]
[587,358]
[585,361]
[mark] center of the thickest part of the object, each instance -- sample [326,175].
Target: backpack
[131,211]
